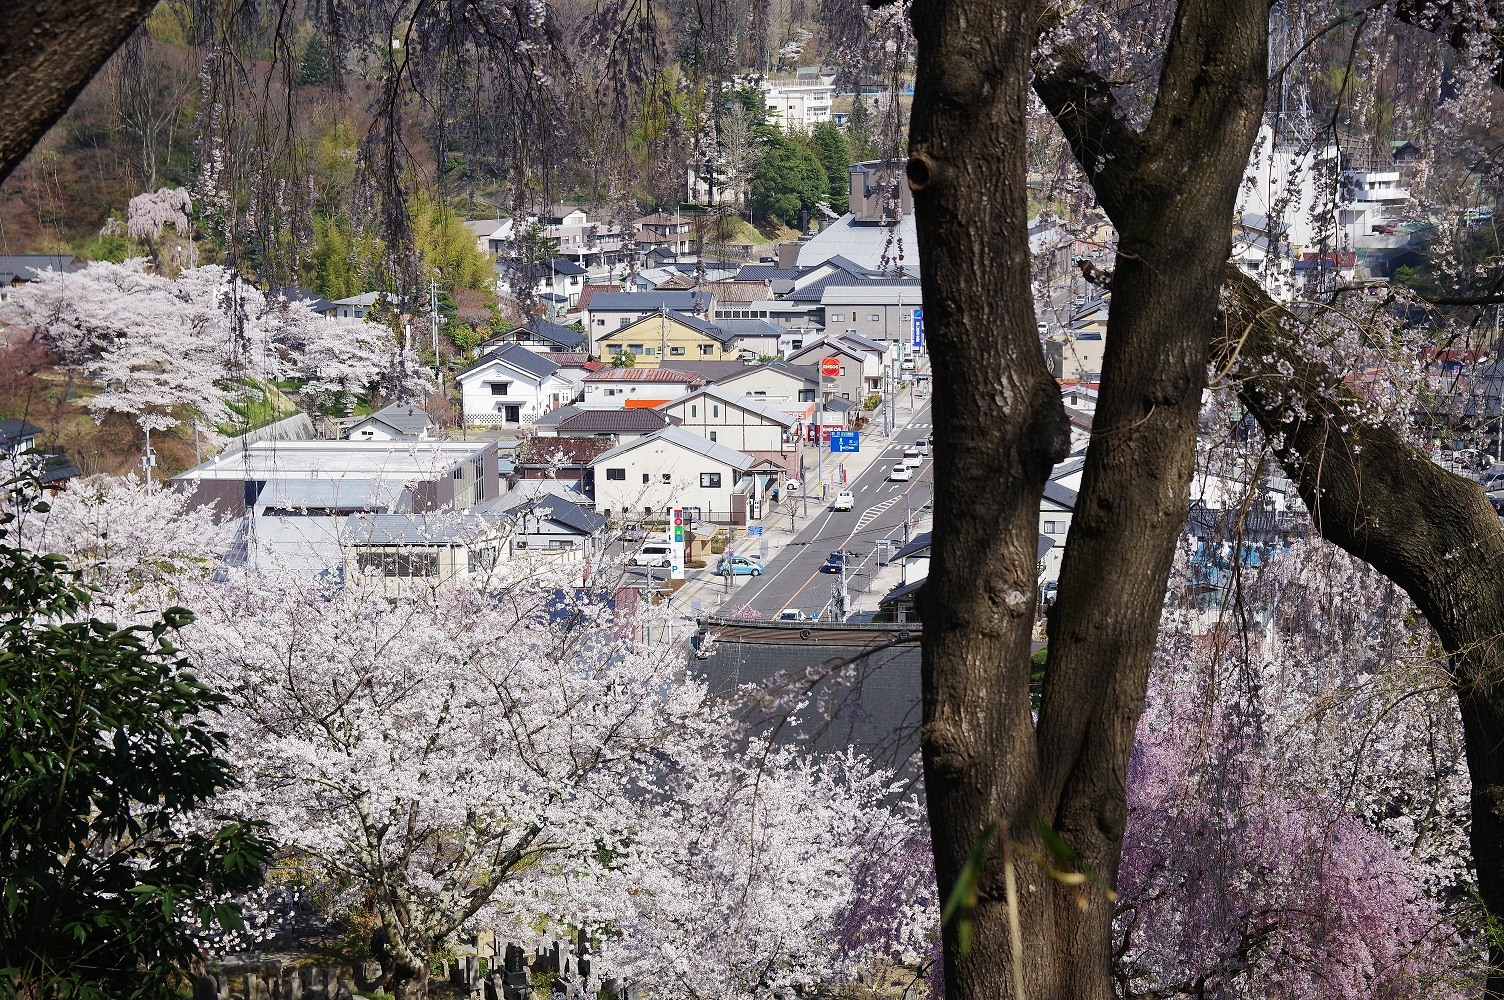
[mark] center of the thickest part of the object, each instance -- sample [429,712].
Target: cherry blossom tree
[135,541]
[458,758]
[742,874]
[147,215]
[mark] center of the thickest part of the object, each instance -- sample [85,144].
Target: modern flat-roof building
[294,496]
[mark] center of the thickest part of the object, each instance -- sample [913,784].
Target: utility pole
[198,459]
[433,318]
[148,460]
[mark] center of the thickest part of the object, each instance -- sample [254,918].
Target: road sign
[754,529]
[847,441]
[918,329]
[830,367]
[676,544]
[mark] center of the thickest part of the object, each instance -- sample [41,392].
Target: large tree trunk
[1000,426]
[49,50]
[1429,531]
[1170,191]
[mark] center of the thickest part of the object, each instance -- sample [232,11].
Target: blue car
[738,566]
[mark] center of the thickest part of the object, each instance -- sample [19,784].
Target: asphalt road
[793,579]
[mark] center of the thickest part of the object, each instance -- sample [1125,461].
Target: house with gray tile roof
[513,386]
[550,524]
[397,422]
[670,468]
[745,423]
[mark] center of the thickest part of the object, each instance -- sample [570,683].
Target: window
[706,350]
[648,351]
[501,388]
[634,348]
[795,345]
[646,478]
[668,477]
[710,480]
[694,411]
[677,352]
[622,322]
[619,475]
[806,395]
[873,318]
[1051,527]
[715,411]
[712,435]
[399,562]
[459,472]
[838,317]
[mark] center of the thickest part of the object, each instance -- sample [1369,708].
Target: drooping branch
[1377,496]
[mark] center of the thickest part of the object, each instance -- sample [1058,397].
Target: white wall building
[512,385]
[672,468]
[801,101]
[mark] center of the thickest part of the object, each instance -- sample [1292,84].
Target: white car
[901,473]
[652,554]
[791,615]
[909,365]
[912,458]
[844,501]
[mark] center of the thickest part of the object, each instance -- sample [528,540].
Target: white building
[744,423]
[293,498]
[512,385]
[800,101]
[619,388]
[397,422]
[672,468]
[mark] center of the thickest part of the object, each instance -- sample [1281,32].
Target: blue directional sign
[845,441]
[754,530]
[918,329]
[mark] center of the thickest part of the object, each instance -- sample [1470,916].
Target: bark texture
[1000,427]
[1431,532]
[49,50]
[1170,191]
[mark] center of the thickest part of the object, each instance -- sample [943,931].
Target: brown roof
[679,282]
[567,360]
[547,451]
[600,421]
[738,291]
[661,219]
[589,290]
[648,236]
[643,375]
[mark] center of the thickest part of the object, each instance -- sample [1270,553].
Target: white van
[652,554]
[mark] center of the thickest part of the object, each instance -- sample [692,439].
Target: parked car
[912,458]
[909,364]
[732,565]
[738,566]
[1042,327]
[791,615]
[652,554]
[632,532]
[845,500]
[1492,482]
[901,473]
[838,561]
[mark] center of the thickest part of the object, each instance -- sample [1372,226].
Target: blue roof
[648,301]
